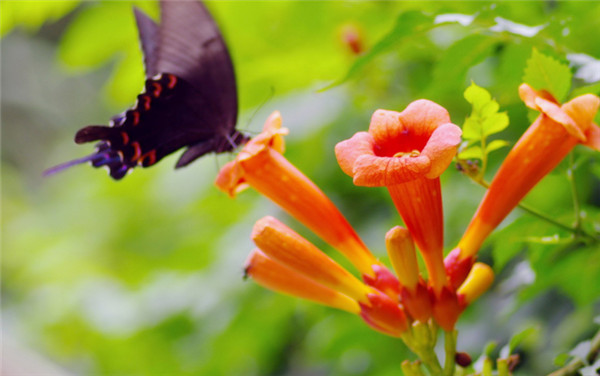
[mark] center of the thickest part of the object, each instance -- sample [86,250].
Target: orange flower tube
[285,246]
[261,165]
[407,152]
[278,277]
[548,140]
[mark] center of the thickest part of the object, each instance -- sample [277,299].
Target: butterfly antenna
[264,102]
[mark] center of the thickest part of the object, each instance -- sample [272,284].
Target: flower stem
[450,348]
[574,365]
[502,365]
[576,206]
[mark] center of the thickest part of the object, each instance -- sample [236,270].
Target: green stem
[412,368]
[450,348]
[574,365]
[576,206]
[488,367]
[502,365]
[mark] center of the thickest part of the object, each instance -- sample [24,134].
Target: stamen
[410,154]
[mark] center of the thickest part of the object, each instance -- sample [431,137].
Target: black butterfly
[189,100]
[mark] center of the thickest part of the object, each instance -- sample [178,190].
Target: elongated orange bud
[402,254]
[278,277]
[282,244]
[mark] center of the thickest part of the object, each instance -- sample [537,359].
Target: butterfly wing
[190,97]
[148,31]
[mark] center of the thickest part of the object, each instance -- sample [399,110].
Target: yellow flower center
[410,154]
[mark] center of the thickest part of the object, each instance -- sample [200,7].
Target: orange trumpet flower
[407,152]
[261,165]
[548,140]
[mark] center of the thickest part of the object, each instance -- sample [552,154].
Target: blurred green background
[144,276]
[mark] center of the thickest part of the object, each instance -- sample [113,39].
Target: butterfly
[189,98]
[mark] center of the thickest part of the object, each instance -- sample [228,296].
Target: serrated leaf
[485,119]
[518,338]
[547,73]
[495,145]
[477,96]
[474,152]
[408,24]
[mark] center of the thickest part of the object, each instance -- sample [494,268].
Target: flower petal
[593,137]
[231,179]
[372,171]
[556,113]
[582,110]
[415,124]
[349,150]
[441,148]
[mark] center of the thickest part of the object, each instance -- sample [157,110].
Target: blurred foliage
[143,276]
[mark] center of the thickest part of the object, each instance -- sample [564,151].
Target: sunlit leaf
[473,152]
[495,145]
[32,14]
[545,72]
[485,119]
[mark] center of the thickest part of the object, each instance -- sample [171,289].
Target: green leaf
[588,89]
[547,73]
[408,24]
[495,145]
[452,68]
[32,14]
[489,348]
[485,119]
[561,359]
[473,152]
[518,338]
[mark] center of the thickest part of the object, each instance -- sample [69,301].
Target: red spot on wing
[148,159]
[137,151]
[172,81]
[157,89]
[125,137]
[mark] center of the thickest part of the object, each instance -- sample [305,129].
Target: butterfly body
[189,98]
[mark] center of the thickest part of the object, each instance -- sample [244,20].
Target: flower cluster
[406,152]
